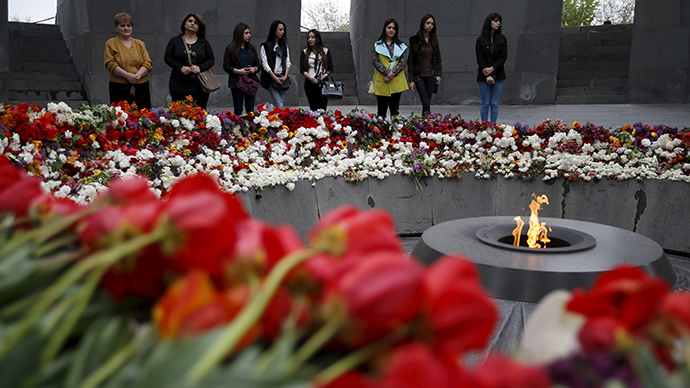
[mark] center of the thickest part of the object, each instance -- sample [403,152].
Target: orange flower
[192,305]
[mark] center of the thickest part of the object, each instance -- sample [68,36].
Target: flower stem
[96,260]
[60,335]
[114,362]
[355,358]
[312,345]
[251,313]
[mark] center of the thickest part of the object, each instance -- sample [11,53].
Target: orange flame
[537,232]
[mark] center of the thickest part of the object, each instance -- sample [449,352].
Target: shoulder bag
[247,85]
[331,88]
[207,80]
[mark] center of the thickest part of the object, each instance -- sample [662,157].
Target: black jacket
[176,58]
[488,57]
[414,61]
[329,68]
[229,65]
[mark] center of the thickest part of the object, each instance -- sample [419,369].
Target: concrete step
[593,81]
[37,56]
[612,68]
[591,99]
[42,67]
[21,50]
[44,95]
[591,91]
[44,76]
[47,86]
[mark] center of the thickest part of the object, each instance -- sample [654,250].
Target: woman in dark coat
[492,52]
[191,43]
[424,62]
[241,59]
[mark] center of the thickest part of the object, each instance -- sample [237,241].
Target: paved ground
[606,115]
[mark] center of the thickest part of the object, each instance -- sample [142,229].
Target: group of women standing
[189,54]
[423,60]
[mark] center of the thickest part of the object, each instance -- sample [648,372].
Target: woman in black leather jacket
[424,62]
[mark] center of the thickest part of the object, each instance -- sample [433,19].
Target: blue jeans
[278,96]
[490,95]
[238,97]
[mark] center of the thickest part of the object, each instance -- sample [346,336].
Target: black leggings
[425,89]
[314,96]
[392,102]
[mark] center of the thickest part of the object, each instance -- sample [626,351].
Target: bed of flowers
[78,152]
[132,290]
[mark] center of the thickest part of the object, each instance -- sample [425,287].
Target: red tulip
[416,366]
[348,229]
[18,197]
[676,307]
[203,218]
[502,372]
[456,305]
[380,293]
[626,294]
[130,191]
[598,334]
[259,247]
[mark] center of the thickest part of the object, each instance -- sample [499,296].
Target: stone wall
[660,55]
[642,207]
[4,53]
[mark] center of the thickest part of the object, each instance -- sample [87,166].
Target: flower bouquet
[189,291]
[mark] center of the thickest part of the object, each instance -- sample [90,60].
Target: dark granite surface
[513,315]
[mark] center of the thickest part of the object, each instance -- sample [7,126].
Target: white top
[313,66]
[278,68]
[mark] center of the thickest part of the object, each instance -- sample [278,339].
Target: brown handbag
[207,80]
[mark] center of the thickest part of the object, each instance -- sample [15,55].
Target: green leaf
[651,373]
[21,365]
[101,340]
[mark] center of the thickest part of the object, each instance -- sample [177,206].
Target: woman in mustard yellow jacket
[389,58]
[129,64]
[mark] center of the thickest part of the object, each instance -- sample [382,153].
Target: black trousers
[392,102]
[121,92]
[425,89]
[314,96]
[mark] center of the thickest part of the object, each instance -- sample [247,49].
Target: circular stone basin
[583,251]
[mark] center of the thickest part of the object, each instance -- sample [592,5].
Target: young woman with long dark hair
[424,62]
[492,52]
[241,59]
[315,64]
[389,58]
[275,60]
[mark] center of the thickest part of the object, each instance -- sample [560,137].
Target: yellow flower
[92,137]
[37,145]
[97,172]
[653,134]
[186,152]
[263,130]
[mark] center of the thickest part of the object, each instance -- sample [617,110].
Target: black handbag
[331,88]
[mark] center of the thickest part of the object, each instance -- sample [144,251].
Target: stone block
[658,85]
[542,17]
[536,52]
[534,88]
[332,193]
[409,204]
[279,205]
[466,197]
[513,197]
[661,213]
[656,48]
[609,202]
